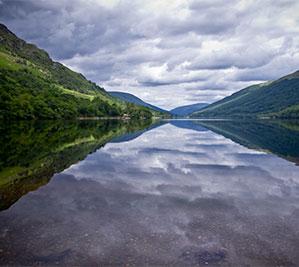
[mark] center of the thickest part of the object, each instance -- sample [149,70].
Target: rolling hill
[276,99]
[134,100]
[188,109]
[33,86]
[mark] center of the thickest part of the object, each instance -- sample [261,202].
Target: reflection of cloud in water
[223,167]
[159,200]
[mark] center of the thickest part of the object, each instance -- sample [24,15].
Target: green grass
[76,94]
[76,142]
[8,62]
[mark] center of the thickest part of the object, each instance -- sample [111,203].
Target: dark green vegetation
[33,86]
[32,152]
[188,109]
[277,137]
[277,99]
[135,100]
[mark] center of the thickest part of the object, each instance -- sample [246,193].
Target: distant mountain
[277,99]
[188,124]
[135,100]
[32,86]
[188,109]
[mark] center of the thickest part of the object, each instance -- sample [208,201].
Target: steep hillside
[277,99]
[188,109]
[33,86]
[135,100]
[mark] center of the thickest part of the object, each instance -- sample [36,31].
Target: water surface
[178,193]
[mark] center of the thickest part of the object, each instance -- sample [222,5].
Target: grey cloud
[157,83]
[206,4]
[217,46]
[218,147]
[162,151]
[169,82]
[171,79]
[64,29]
[199,25]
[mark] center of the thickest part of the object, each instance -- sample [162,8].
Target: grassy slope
[34,86]
[273,99]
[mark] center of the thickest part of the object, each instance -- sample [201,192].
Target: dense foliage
[276,99]
[34,86]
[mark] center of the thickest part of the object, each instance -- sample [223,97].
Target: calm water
[178,193]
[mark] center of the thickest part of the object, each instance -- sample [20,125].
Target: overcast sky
[168,52]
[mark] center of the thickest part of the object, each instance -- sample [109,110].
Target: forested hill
[34,86]
[277,99]
[188,109]
[135,100]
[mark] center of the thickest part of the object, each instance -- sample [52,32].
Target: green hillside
[33,86]
[277,99]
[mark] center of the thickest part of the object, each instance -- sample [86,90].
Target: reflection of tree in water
[278,137]
[31,152]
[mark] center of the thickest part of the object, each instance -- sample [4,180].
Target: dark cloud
[178,80]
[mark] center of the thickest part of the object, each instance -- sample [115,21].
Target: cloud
[162,51]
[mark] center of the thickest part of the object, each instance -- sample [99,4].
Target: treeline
[35,87]
[24,95]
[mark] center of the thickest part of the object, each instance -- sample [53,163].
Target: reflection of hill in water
[188,124]
[32,152]
[131,136]
[279,137]
[184,124]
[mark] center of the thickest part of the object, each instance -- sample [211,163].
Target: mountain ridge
[134,100]
[274,99]
[187,109]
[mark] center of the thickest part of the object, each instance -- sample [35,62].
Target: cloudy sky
[169,53]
